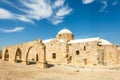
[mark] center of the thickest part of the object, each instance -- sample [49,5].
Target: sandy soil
[18,71]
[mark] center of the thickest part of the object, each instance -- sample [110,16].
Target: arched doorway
[18,56]
[32,56]
[6,57]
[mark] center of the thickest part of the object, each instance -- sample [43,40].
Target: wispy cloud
[87,1]
[53,11]
[59,3]
[59,15]
[63,11]
[115,3]
[12,5]
[16,29]
[23,18]
[104,3]
[37,10]
[5,14]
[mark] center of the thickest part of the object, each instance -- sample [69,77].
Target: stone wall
[83,53]
[34,50]
[111,55]
[55,51]
[0,54]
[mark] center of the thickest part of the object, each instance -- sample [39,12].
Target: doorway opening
[6,55]
[69,60]
[18,56]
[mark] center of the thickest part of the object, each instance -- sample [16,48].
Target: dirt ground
[18,71]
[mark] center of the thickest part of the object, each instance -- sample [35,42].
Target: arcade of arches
[26,53]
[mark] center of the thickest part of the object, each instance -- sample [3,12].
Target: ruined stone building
[28,53]
[64,50]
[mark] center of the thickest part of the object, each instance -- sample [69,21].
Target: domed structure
[65,35]
[65,31]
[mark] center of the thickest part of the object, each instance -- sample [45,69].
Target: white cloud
[55,22]
[23,18]
[59,3]
[105,5]
[5,14]
[60,11]
[53,11]
[63,11]
[37,10]
[12,5]
[87,1]
[58,17]
[16,29]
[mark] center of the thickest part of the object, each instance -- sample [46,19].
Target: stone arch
[31,56]
[6,55]
[18,55]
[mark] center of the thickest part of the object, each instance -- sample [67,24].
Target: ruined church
[64,50]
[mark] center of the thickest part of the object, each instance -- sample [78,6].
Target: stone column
[42,58]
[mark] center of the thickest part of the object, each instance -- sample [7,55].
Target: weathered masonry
[27,53]
[64,50]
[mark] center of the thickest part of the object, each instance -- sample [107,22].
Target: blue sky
[27,20]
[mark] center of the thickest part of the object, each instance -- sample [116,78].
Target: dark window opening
[54,56]
[66,55]
[84,48]
[36,57]
[77,52]
[6,55]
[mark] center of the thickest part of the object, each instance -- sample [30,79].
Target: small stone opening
[6,55]
[84,48]
[53,55]
[77,52]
